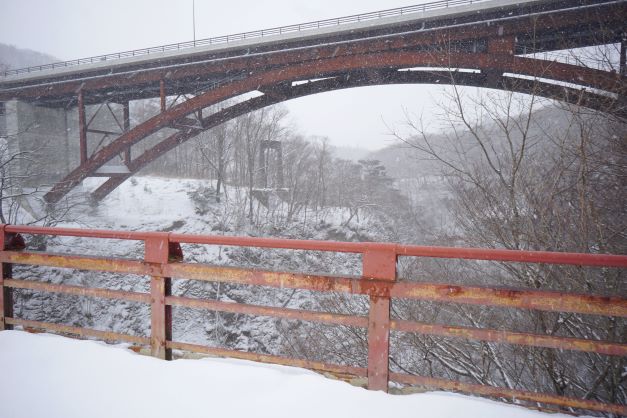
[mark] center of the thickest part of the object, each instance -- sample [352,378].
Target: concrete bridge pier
[37,138]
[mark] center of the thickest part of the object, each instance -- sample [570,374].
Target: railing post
[379,264]
[158,251]
[7,242]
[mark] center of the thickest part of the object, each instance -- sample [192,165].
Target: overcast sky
[69,29]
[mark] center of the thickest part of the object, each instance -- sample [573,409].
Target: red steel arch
[492,67]
[551,91]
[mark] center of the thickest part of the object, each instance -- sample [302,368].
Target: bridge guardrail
[164,260]
[441,4]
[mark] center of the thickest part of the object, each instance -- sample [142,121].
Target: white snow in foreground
[52,376]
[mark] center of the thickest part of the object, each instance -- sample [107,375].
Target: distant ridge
[14,57]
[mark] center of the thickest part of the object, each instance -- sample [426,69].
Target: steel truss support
[343,82]
[82,127]
[127,125]
[85,128]
[485,62]
[623,56]
[162,95]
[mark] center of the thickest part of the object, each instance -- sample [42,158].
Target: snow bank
[52,376]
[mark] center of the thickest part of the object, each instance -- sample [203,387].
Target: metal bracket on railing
[13,242]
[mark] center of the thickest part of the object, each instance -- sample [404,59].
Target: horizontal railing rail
[163,260]
[225,39]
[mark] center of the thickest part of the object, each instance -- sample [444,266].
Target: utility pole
[194,19]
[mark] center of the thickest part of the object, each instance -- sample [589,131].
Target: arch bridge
[498,44]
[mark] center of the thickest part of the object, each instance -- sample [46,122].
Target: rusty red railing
[163,261]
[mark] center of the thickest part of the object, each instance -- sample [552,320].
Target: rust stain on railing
[513,298]
[82,332]
[505,393]
[286,313]
[518,338]
[76,262]
[164,260]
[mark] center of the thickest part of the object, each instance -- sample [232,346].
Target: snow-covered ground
[52,376]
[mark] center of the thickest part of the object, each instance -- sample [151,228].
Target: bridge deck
[440,14]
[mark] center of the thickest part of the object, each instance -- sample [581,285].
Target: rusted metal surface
[607,260]
[502,45]
[162,94]
[223,64]
[78,290]
[322,67]
[267,358]
[6,297]
[379,264]
[475,295]
[562,16]
[378,343]
[6,294]
[212,273]
[536,87]
[13,242]
[290,244]
[114,265]
[163,260]
[547,257]
[82,332]
[509,394]
[513,298]
[157,251]
[156,248]
[160,317]
[178,138]
[519,338]
[85,233]
[246,309]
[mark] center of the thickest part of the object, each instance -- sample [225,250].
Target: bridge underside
[481,54]
[279,93]
[525,75]
[195,114]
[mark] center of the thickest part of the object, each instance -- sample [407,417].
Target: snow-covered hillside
[182,205]
[53,376]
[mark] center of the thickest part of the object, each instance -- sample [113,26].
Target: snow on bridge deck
[269,37]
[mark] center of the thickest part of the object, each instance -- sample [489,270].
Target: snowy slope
[52,376]
[164,204]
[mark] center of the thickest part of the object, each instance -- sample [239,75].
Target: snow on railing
[225,39]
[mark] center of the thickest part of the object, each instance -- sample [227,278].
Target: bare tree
[249,131]
[215,149]
[527,174]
